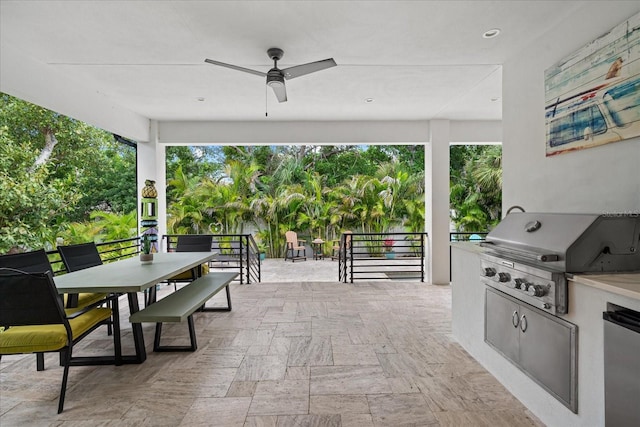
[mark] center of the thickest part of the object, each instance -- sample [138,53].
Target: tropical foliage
[64,179]
[54,172]
[294,195]
[476,186]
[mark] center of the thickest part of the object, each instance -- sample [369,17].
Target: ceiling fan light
[275,83]
[275,79]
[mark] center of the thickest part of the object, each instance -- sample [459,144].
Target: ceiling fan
[276,76]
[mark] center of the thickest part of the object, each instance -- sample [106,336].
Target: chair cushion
[187,275]
[85,299]
[42,338]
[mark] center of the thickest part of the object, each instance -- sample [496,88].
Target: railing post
[422,257]
[351,257]
[241,264]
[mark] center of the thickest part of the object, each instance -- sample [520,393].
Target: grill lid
[573,243]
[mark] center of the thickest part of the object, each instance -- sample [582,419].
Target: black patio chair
[38,262]
[228,252]
[78,257]
[194,243]
[191,243]
[33,319]
[31,262]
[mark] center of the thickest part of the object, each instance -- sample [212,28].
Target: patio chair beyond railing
[294,246]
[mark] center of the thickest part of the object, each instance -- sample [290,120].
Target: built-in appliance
[621,366]
[543,346]
[528,258]
[529,255]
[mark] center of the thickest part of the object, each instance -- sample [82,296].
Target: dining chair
[294,244]
[228,252]
[191,243]
[31,262]
[78,257]
[38,262]
[194,243]
[33,319]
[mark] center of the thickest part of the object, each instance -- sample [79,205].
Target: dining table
[129,276]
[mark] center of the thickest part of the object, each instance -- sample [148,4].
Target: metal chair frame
[31,299]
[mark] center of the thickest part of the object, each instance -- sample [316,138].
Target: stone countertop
[468,246]
[625,284]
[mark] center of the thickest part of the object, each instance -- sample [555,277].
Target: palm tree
[476,190]
[115,226]
[488,174]
[186,216]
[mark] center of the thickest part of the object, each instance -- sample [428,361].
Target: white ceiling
[419,60]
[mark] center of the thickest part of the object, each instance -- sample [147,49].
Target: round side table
[318,249]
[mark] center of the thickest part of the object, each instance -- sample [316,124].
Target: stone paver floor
[294,352]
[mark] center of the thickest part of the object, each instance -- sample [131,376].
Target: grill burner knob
[536,290]
[504,277]
[489,272]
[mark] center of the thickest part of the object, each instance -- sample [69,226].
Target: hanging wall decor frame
[592,97]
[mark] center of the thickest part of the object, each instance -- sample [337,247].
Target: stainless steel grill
[530,255]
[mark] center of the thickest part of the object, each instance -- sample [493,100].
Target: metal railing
[381,256]
[235,251]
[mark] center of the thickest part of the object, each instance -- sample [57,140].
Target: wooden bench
[180,305]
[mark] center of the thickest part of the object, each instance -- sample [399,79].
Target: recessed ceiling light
[369,100]
[489,34]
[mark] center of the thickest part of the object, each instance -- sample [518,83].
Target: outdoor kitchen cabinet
[542,346]
[589,296]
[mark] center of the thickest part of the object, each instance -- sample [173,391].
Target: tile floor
[289,354]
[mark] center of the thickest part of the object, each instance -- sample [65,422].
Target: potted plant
[146,257]
[388,248]
[262,249]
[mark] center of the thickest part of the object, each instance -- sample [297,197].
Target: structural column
[152,165]
[437,200]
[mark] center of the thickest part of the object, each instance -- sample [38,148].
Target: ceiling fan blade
[235,67]
[280,90]
[311,67]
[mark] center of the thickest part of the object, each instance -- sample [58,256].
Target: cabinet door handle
[523,323]
[515,320]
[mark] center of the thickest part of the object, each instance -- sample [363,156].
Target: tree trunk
[50,142]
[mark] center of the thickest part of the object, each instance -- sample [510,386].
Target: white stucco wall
[598,180]
[152,165]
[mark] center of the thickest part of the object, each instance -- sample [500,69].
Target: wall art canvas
[592,97]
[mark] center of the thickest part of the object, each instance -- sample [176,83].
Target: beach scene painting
[592,97]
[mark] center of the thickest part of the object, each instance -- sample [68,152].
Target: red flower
[388,244]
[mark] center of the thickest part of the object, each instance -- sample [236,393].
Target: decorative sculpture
[149,214]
